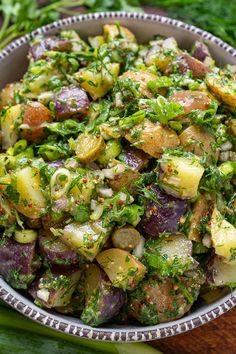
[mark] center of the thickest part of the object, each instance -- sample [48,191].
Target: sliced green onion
[20,146]
[163,81]
[226,168]
[25,236]
[60,183]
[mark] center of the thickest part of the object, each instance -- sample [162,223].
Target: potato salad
[117,177]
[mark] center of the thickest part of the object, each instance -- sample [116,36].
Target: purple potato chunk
[102,300]
[163,215]
[18,263]
[55,289]
[55,251]
[71,101]
[135,158]
[200,51]
[38,49]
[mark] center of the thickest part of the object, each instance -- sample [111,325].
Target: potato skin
[153,137]
[38,49]
[135,158]
[19,259]
[163,216]
[157,301]
[186,62]
[200,51]
[198,141]
[34,115]
[102,300]
[71,101]
[140,77]
[55,251]
[125,179]
[191,100]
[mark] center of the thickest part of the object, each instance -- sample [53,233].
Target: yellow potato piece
[8,126]
[152,137]
[32,202]
[181,175]
[86,239]
[223,88]
[223,235]
[123,269]
[98,83]
[113,31]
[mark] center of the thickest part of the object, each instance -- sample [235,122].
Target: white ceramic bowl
[13,64]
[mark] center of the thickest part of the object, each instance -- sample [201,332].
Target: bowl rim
[134,334]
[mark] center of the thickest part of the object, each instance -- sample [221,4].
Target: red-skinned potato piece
[186,62]
[191,100]
[34,114]
[152,137]
[38,49]
[71,101]
[198,141]
[18,262]
[200,51]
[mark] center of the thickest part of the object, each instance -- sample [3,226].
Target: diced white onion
[206,241]
[119,168]
[138,251]
[24,126]
[118,99]
[224,156]
[105,192]
[123,197]
[108,173]
[43,294]
[61,203]
[71,164]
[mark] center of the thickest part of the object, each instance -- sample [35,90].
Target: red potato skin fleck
[191,100]
[34,115]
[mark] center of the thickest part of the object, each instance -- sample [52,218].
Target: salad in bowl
[117,177]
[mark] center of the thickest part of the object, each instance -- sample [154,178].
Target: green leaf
[82,213]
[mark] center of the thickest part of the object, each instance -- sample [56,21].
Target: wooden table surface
[215,337]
